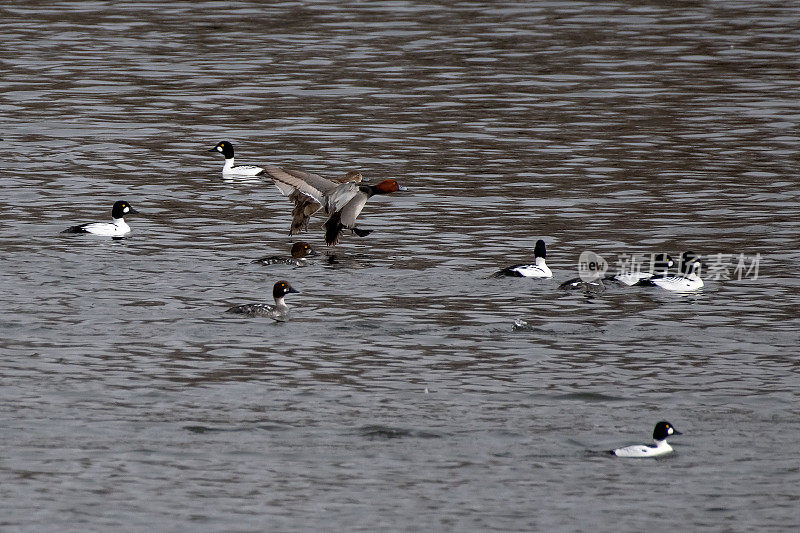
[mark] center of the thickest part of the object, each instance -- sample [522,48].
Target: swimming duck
[341,202]
[662,430]
[305,205]
[116,228]
[231,170]
[688,279]
[278,312]
[300,250]
[538,269]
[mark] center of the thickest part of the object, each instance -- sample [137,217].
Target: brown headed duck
[300,250]
[341,202]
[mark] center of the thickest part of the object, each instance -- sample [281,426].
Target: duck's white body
[661,447]
[242,171]
[116,228]
[538,270]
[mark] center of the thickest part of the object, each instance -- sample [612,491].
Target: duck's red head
[387,186]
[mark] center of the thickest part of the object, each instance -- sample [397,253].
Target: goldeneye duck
[341,202]
[231,170]
[688,280]
[662,430]
[116,228]
[538,269]
[279,311]
[305,205]
[300,250]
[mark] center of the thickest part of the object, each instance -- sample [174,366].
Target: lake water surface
[399,396]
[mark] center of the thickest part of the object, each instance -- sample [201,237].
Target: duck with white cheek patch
[116,228]
[662,430]
[229,169]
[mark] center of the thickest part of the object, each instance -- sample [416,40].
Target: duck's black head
[539,250]
[663,430]
[690,261]
[225,148]
[122,208]
[281,289]
[662,261]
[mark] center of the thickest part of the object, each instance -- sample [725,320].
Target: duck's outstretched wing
[340,198]
[304,207]
[351,210]
[296,180]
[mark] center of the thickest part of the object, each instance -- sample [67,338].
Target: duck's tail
[76,229]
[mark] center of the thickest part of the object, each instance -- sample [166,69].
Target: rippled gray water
[131,401]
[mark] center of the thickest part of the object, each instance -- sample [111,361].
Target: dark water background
[130,401]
